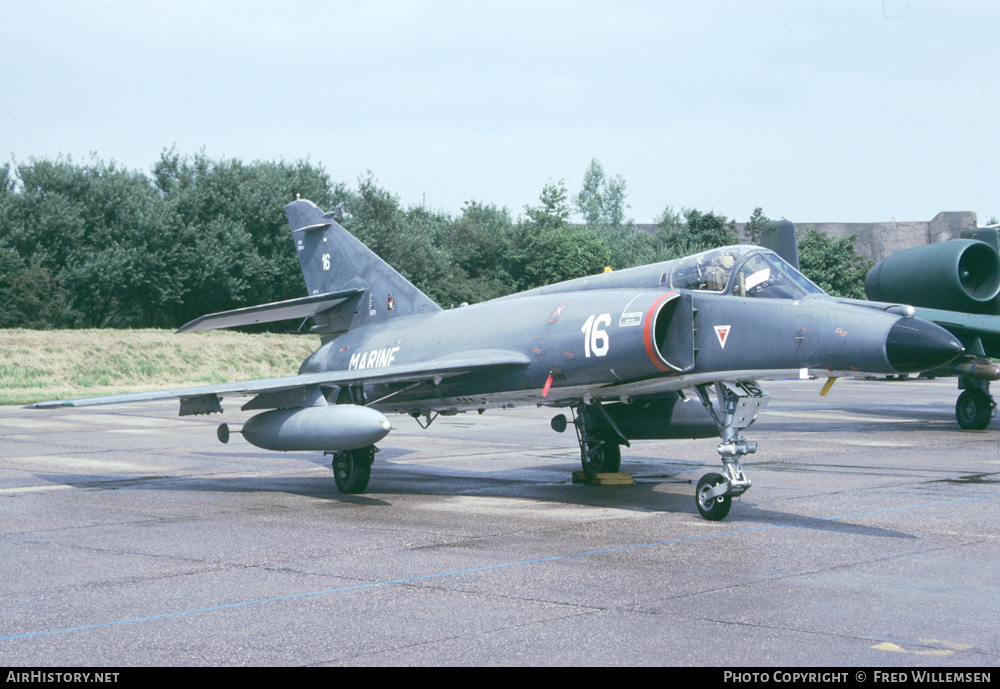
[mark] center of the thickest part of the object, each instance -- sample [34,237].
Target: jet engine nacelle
[956,275]
[326,428]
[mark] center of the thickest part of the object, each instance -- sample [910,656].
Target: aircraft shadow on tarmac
[860,418]
[397,479]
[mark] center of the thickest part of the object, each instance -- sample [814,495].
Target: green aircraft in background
[955,284]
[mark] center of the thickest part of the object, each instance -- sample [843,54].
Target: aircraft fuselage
[613,343]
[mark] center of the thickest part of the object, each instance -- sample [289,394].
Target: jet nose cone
[914,345]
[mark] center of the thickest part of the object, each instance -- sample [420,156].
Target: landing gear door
[744,400]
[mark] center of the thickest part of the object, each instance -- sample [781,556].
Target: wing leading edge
[480,360]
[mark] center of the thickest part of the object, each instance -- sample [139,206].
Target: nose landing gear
[740,404]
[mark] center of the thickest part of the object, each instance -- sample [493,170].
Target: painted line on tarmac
[35,489]
[486,568]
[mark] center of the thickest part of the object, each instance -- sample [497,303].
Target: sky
[849,110]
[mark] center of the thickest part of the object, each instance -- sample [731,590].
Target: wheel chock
[611,479]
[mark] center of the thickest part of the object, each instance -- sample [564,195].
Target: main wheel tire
[607,459]
[714,509]
[352,469]
[973,410]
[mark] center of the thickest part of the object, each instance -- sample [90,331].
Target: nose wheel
[712,508]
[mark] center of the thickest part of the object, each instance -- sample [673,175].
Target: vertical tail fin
[779,236]
[333,260]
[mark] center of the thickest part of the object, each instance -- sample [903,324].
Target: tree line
[93,244]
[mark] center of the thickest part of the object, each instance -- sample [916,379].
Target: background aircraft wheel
[973,410]
[715,509]
[607,459]
[352,469]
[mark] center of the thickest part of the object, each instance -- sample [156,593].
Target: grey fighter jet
[667,350]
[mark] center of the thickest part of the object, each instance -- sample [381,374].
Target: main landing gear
[740,403]
[975,406]
[736,407]
[352,469]
[599,438]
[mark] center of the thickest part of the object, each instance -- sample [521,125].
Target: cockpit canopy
[743,271]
